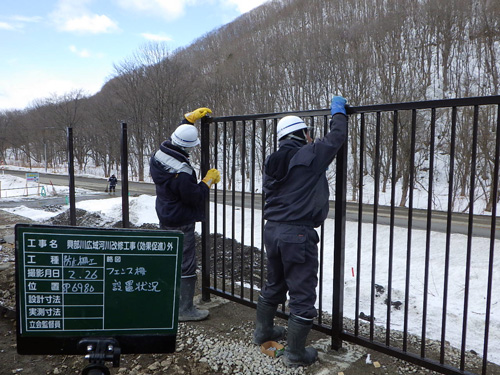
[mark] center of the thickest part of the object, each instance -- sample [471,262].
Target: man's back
[295,185]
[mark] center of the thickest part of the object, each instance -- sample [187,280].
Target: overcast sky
[55,46]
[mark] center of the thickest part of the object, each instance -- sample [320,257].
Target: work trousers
[292,266]
[189,264]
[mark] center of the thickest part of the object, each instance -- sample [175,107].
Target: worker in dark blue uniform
[180,201]
[112,184]
[296,202]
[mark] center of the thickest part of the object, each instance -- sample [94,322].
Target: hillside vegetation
[284,55]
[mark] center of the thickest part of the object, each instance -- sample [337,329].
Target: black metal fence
[407,255]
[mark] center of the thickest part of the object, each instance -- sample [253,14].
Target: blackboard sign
[75,283]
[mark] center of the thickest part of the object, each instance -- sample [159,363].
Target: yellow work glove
[197,114]
[212,177]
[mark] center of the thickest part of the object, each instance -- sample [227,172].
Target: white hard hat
[185,136]
[289,124]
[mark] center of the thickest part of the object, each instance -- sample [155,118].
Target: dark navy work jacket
[180,199]
[295,184]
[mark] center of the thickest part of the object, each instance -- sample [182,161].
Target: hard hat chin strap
[185,149]
[302,139]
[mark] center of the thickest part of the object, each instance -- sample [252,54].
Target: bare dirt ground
[219,345]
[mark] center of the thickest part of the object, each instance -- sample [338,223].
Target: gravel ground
[220,345]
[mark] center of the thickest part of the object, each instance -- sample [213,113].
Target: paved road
[89,183]
[481,227]
[96,185]
[459,223]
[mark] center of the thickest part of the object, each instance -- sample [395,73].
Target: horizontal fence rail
[408,268]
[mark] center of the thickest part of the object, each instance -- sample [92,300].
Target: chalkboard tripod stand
[100,351]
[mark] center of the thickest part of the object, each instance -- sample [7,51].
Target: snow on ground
[142,211]
[14,189]
[478,279]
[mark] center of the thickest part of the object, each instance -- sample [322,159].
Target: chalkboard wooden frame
[74,283]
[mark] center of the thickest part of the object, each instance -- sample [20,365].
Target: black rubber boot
[187,310]
[296,354]
[264,324]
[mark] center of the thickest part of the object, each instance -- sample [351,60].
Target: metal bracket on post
[100,351]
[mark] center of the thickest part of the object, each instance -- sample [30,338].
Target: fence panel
[407,252]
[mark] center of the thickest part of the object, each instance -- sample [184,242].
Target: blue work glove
[338,105]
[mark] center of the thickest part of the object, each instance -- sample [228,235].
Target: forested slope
[284,55]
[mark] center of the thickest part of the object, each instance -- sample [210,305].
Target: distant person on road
[180,201]
[112,184]
[296,202]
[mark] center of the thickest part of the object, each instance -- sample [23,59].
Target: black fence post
[71,174]
[339,248]
[124,167]
[205,225]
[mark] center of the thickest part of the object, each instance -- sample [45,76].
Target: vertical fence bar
[469,235]
[492,245]
[224,205]
[71,173]
[216,201]
[410,226]
[322,236]
[205,225]
[252,209]
[428,233]
[275,135]
[124,170]
[360,221]
[263,201]
[233,208]
[321,273]
[376,187]
[448,231]
[395,129]
[339,246]
[243,182]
